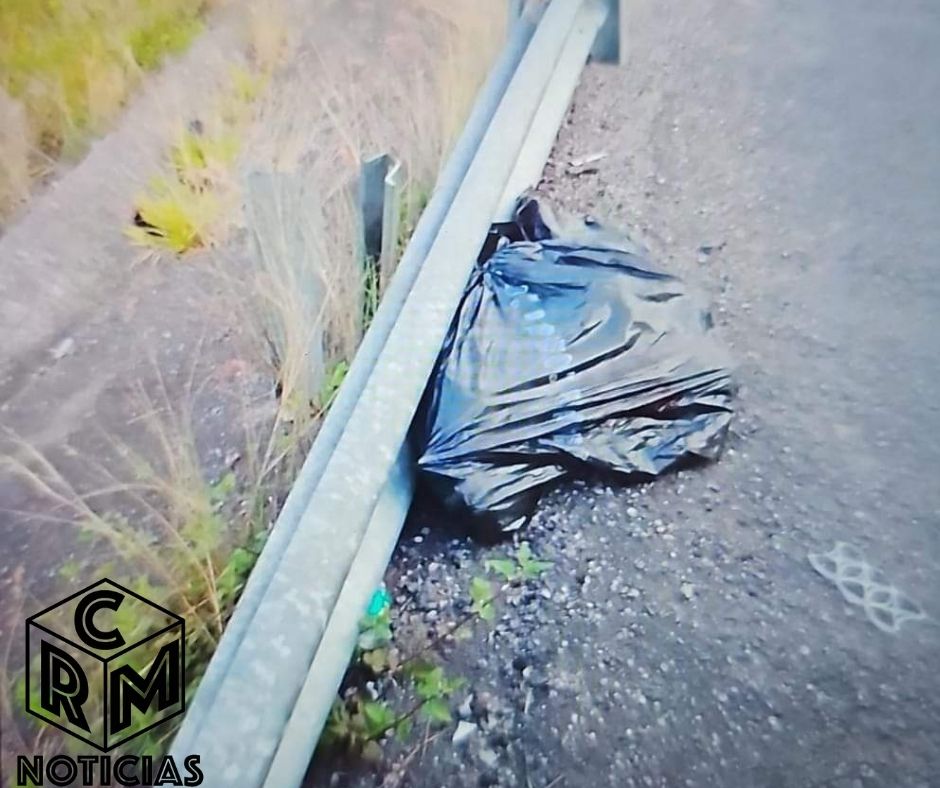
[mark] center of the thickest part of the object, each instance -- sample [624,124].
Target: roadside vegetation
[390,687]
[182,207]
[193,201]
[189,547]
[66,69]
[275,158]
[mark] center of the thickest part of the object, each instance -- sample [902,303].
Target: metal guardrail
[262,704]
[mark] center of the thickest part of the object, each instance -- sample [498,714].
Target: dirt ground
[783,157]
[91,321]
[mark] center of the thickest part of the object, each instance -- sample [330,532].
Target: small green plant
[371,292]
[209,534]
[246,85]
[357,724]
[433,688]
[195,157]
[167,34]
[178,211]
[375,628]
[521,568]
[332,380]
[234,574]
[481,598]
[375,635]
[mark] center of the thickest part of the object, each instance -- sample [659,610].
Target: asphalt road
[804,137]
[682,636]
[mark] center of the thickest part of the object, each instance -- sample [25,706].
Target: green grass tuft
[182,207]
[177,217]
[169,33]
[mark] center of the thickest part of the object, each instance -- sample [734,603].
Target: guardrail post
[608,46]
[391,219]
[380,218]
[380,206]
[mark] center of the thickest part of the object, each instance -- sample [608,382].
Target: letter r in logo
[62,684]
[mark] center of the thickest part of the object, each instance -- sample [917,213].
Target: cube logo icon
[105,665]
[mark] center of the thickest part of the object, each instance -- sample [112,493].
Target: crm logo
[84,677]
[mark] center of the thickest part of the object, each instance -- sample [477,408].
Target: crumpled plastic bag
[566,356]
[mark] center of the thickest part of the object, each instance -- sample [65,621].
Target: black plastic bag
[566,356]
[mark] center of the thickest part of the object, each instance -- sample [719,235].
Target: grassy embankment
[66,69]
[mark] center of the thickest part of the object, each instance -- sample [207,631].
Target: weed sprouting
[386,690]
[481,598]
[196,157]
[524,566]
[166,33]
[372,292]
[246,86]
[332,380]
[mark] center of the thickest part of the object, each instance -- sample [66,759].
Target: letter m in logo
[157,689]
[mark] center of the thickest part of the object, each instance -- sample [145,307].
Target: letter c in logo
[85,619]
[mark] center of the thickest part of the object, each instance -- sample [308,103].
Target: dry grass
[266,35]
[174,507]
[190,204]
[72,62]
[154,520]
[473,34]
[407,94]
[174,216]
[303,289]
[46,741]
[193,202]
